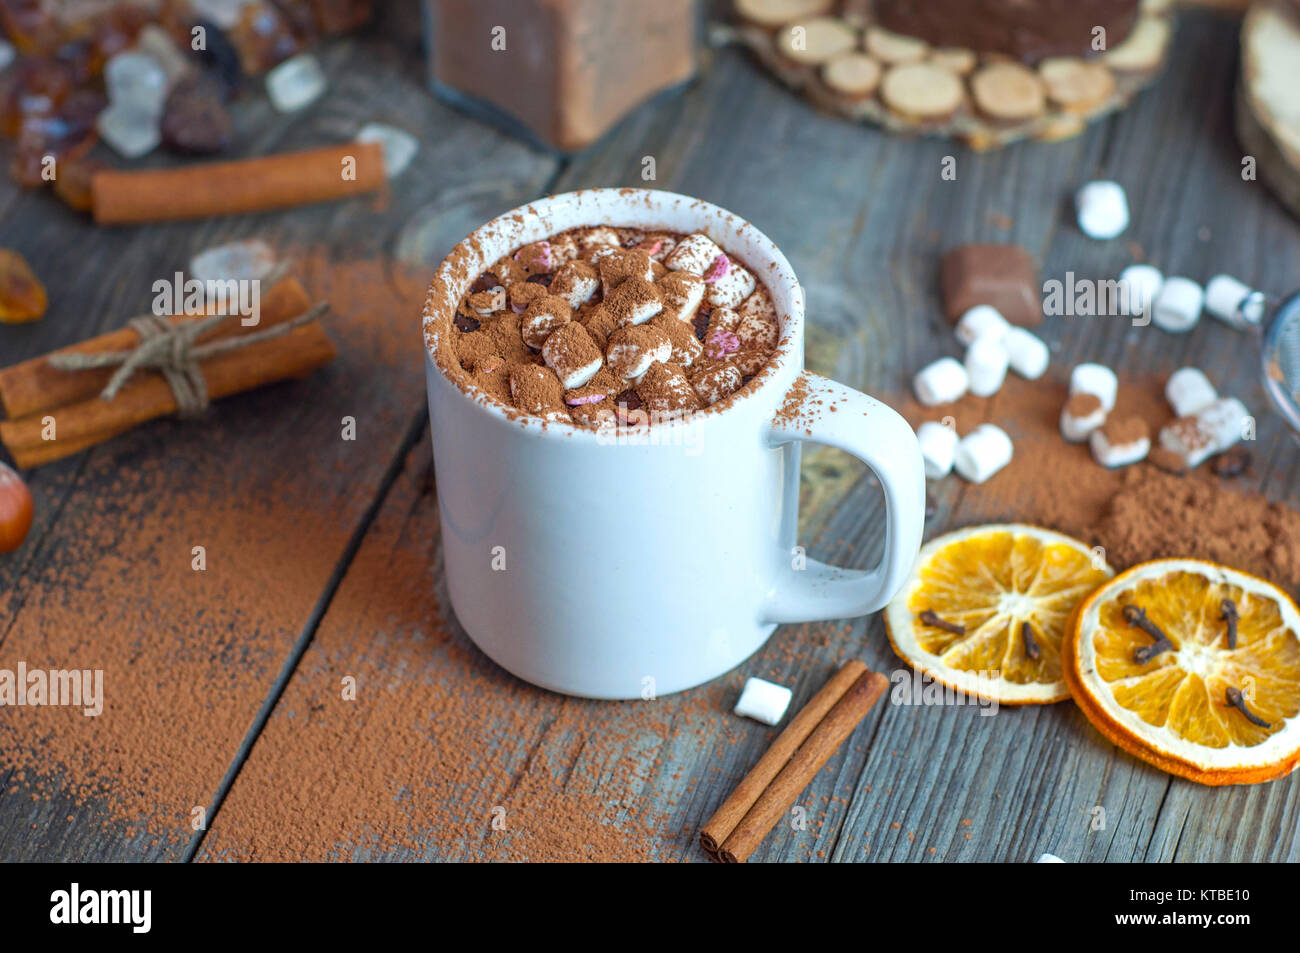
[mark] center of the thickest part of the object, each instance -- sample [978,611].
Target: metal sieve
[1281,358]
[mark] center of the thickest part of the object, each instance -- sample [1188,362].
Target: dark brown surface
[864,218]
[1027,31]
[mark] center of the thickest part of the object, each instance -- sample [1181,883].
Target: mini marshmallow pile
[993,345]
[595,324]
[977,456]
[1087,416]
[1207,424]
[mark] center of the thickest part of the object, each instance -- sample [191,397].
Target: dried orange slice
[986,608]
[1213,705]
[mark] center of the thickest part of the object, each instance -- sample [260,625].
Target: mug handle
[883,440]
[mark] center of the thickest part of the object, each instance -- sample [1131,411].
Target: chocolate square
[1004,276]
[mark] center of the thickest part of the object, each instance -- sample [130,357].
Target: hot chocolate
[600,326]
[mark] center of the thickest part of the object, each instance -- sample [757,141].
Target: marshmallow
[716,381]
[575,282]
[635,301]
[1210,430]
[686,346]
[658,246]
[598,237]
[1120,444]
[1082,414]
[1049,859]
[682,293]
[543,316]
[983,452]
[756,332]
[938,446]
[1096,379]
[1178,306]
[1138,287]
[632,349]
[980,321]
[572,354]
[1027,353]
[986,366]
[941,382]
[763,701]
[759,304]
[488,302]
[729,283]
[622,264]
[1225,421]
[665,389]
[720,337]
[1188,390]
[1233,302]
[1103,209]
[694,253]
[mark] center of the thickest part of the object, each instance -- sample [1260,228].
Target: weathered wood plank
[863,217]
[116,525]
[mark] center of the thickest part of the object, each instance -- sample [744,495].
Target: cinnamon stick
[244,185]
[778,797]
[148,396]
[34,387]
[734,808]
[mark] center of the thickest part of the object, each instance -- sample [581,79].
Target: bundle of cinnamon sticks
[770,789]
[54,413]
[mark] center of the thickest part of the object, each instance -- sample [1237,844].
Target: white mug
[614,568]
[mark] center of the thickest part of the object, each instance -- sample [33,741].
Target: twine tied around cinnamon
[170,349]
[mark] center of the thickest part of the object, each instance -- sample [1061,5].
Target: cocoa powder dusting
[439,742]
[189,656]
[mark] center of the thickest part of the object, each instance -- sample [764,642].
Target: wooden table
[863,217]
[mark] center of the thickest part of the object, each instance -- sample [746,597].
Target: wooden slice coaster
[921,91]
[815,41]
[854,74]
[1075,85]
[954,59]
[1267,121]
[894,48]
[843,61]
[1009,92]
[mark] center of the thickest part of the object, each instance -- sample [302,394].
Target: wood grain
[863,218]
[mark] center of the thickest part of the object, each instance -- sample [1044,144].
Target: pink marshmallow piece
[720,344]
[589,399]
[721,265]
[547,258]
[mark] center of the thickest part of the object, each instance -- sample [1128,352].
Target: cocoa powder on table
[1135,513]
[189,657]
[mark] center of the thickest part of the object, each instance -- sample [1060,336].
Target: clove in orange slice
[1193,667]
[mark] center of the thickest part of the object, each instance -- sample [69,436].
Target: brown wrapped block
[1003,276]
[566,69]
